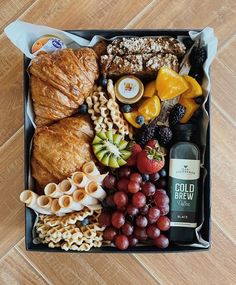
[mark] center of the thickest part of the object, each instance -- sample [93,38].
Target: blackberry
[145,134]
[197,73]
[164,135]
[198,56]
[176,114]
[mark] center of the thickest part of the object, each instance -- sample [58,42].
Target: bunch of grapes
[136,209]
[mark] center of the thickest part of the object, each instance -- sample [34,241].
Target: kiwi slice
[111,149]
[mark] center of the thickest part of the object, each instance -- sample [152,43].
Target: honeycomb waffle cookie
[105,112]
[97,108]
[68,219]
[78,231]
[116,115]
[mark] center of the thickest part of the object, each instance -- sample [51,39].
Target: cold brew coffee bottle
[184,172]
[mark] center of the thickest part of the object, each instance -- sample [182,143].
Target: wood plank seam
[223,63]
[18,18]
[158,281]
[226,42]
[17,15]
[140,14]
[5,144]
[225,233]
[32,264]
[26,11]
[224,114]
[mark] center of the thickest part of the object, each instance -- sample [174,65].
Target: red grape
[132,211]
[109,201]
[124,171]
[132,241]
[117,219]
[133,187]
[161,199]
[109,181]
[140,233]
[153,214]
[159,191]
[136,177]
[121,209]
[104,219]
[139,200]
[152,231]
[163,223]
[122,185]
[154,177]
[141,221]
[161,242]
[120,199]
[164,209]
[148,188]
[127,229]
[109,233]
[144,210]
[122,242]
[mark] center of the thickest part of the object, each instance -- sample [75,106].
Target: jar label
[129,88]
[183,185]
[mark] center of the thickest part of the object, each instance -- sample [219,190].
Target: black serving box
[29,131]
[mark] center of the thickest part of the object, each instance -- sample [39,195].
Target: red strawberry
[153,144]
[150,160]
[135,149]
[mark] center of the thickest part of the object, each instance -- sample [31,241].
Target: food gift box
[117,138]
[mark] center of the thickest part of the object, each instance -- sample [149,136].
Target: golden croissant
[60,82]
[61,149]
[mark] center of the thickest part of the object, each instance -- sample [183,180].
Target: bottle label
[183,185]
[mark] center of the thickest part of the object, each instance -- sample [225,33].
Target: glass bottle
[184,173]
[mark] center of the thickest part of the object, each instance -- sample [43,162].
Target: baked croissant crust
[61,149]
[60,82]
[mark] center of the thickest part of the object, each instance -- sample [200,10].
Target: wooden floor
[214,267]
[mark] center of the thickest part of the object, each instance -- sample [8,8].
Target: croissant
[61,149]
[60,82]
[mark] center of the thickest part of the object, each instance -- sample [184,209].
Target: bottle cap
[184,131]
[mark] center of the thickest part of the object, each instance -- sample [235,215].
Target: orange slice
[170,84]
[195,89]
[150,108]
[131,118]
[191,107]
[150,89]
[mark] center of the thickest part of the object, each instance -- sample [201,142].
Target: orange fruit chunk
[170,84]
[150,108]
[195,89]
[191,107]
[150,89]
[131,118]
